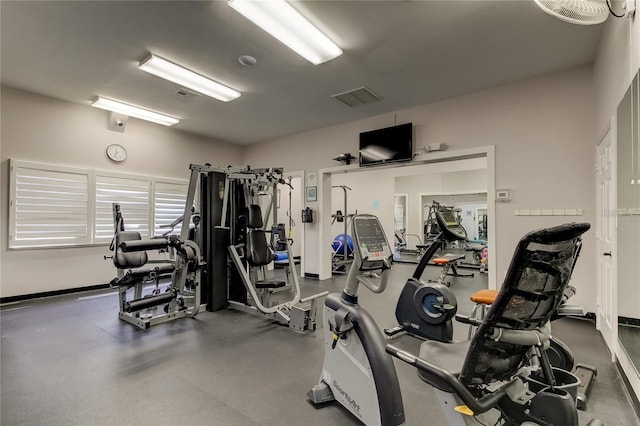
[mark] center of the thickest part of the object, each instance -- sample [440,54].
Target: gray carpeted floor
[69,360]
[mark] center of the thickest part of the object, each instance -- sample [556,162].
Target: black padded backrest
[537,277]
[254,217]
[134,259]
[258,251]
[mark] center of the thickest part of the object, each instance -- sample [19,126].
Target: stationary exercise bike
[425,310]
[356,371]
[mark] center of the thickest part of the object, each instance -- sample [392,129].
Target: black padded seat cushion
[448,356]
[270,284]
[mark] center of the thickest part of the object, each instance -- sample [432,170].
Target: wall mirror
[628,224]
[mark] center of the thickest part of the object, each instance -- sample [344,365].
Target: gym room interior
[521,119]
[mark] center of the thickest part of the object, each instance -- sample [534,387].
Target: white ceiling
[408,52]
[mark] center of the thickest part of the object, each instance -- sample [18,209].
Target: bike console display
[370,241]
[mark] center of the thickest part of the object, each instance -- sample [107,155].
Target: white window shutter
[48,207]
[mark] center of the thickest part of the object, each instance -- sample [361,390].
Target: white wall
[544,137]
[42,129]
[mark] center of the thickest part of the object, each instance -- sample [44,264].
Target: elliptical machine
[357,372]
[425,310]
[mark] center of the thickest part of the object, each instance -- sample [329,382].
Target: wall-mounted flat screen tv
[388,145]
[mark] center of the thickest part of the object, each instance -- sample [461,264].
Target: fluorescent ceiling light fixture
[184,77]
[134,111]
[281,20]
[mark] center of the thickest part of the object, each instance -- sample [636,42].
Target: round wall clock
[116,152]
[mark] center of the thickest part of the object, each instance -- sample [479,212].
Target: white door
[607,321]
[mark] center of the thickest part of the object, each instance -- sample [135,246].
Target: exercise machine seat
[518,317]
[128,260]
[484,297]
[449,356]
[258,251]
[270,284]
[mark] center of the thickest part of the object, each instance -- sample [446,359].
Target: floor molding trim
[633,398]
[23,297]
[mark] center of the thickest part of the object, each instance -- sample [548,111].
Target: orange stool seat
[441,261]
[485,297]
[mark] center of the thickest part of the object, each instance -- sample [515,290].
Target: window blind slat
[49,175]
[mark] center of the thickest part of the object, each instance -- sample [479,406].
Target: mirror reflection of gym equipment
[627,225]
[342,244]
[443,236]
[472,215]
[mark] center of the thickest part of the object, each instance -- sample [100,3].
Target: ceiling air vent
[186,95]
[357,97]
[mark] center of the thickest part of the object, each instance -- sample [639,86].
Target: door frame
[301,191]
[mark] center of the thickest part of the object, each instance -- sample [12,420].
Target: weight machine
[181,272]
[236,248]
